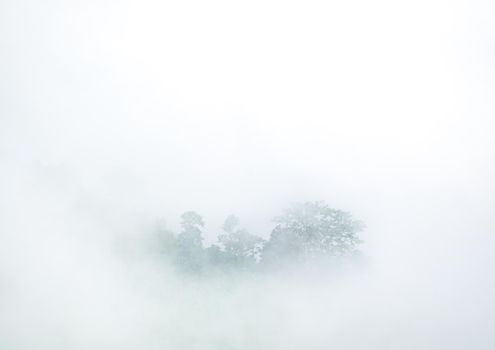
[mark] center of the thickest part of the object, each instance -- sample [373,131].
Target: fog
[117,115]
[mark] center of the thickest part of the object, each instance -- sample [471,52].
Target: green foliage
[303,232]
[312,229]
[240,248]
[189,252]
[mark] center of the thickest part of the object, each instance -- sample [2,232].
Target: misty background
[114,115]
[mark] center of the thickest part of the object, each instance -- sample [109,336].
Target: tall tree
[240,248]
[312,229]
[189,244]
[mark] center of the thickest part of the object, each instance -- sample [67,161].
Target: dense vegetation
[304,232]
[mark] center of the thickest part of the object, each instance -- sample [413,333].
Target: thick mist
[115,116]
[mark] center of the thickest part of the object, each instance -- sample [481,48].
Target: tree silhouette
[304,232]
[241,248]
[190,255]
[312,229]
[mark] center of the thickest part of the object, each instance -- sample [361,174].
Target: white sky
[158,107]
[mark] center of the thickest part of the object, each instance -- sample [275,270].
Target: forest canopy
[302,233]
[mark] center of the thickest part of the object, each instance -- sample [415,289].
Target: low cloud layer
[114,116]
